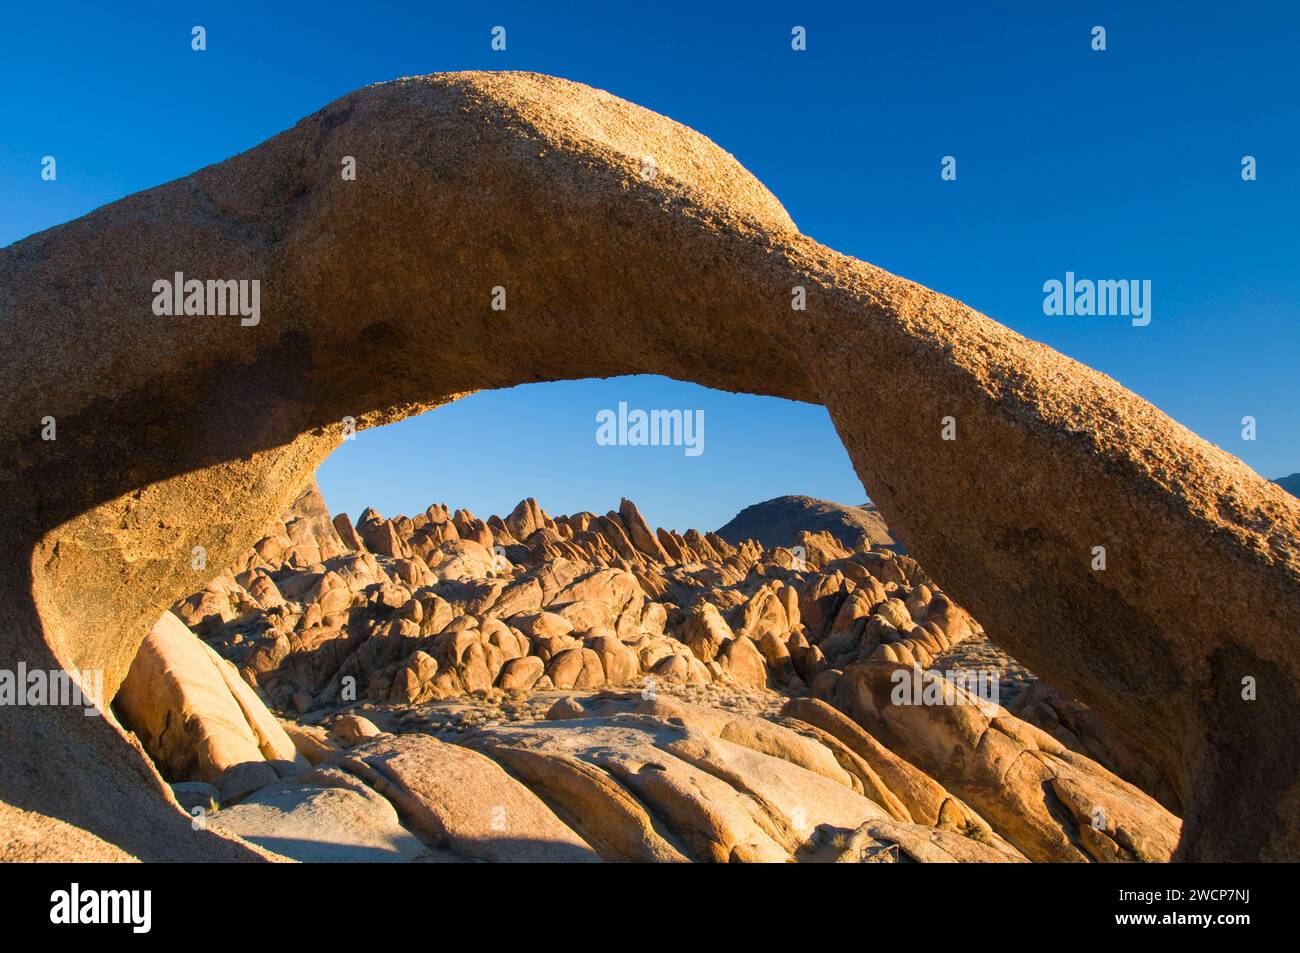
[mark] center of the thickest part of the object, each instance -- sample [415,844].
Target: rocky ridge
[777,522]
[406,610]
[1290,483]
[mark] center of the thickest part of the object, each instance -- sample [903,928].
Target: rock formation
[1054,805]
[191,711]
[588,604]
[182,432]
[779,522]
[1078,728]
[585,602]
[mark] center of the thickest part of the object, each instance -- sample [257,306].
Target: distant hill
[777,522]
[1290,483]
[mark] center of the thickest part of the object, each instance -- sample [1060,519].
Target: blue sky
[1117,164]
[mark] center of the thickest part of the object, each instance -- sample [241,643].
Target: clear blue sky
[1121,164]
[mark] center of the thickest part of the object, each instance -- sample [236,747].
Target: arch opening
[444,623]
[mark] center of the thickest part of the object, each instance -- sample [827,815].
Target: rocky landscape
[537,688]
[185,433]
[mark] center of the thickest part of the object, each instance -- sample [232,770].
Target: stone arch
[176,432]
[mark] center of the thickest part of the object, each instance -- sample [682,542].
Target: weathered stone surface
[240,780]
[316,824]
[706,632]
[638,531]
[1078,728]
[158,452]
[925,799]
[711,817]
[352,730]
[191,712]
[881,841]
[662,780]
[462,801]
[312,742]
[196,794]
[612,821]
[742,661]
[521,674]
[1050,803]
[33,837]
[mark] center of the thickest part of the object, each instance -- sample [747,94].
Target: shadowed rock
[323,824]
[778,522]
[1050,803]
[177,432]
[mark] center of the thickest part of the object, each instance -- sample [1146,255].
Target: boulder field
[177,432]
[571,639]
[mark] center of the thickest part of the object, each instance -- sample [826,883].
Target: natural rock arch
[176,432]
